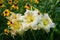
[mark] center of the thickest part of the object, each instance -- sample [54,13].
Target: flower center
[15,4]
[0,4]
[9,1]
[45,21]
[6,12]
[28,5]
[30,18]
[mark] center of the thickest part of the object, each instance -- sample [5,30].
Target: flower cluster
[31,20]
[14,4]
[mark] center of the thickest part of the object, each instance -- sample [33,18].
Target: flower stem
[33,35]
[22,37]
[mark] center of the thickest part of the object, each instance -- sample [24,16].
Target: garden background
[52,7]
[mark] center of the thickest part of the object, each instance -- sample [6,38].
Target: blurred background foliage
[52,7]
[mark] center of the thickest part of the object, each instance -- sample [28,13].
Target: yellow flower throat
[45,21]
[30,18]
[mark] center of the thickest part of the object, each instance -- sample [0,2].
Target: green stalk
[33,34]
[51,36]
[22,37]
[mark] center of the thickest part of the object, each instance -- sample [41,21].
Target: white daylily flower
[47,23]
[31,18]
[39,25]
[13,16]
[16,25]
[25,27]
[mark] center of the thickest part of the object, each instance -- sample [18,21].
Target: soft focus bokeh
[52,7]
